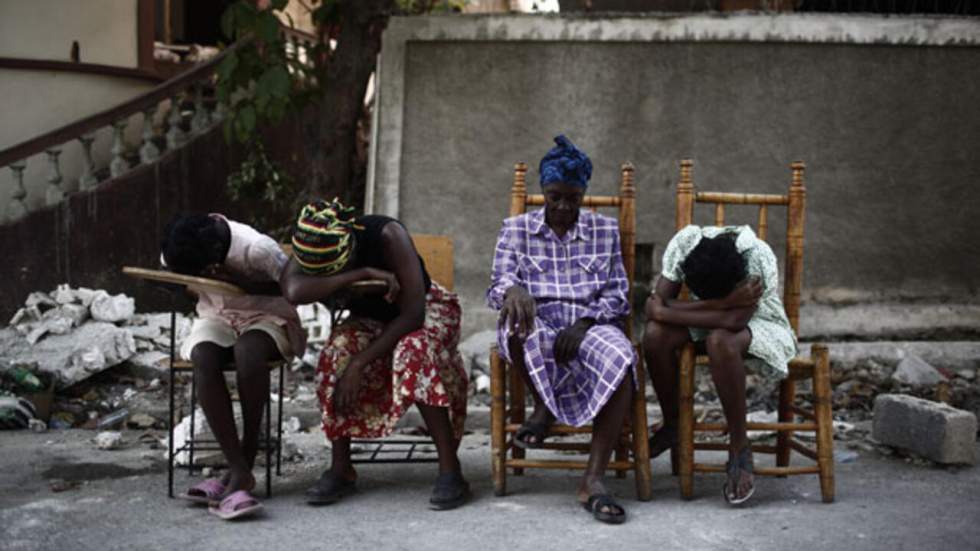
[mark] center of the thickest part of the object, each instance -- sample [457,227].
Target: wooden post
[796,213]
[641,446]
[119,164]
[17,208]
[87,180]
[627,231]
[763,229]
[720,214]
[518,191]
[498,438]
[823,404]
[685,195]
[53,194]
[685,421]
[149,152]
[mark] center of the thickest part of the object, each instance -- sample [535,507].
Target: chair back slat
[624,202]
[762,229]
[795,203]
[719,214]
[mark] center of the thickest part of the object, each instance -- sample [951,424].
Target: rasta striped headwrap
[565,163]
[323,238]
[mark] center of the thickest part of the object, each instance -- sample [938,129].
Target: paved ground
[883,503]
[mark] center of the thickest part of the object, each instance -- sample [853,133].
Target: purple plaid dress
[577,276]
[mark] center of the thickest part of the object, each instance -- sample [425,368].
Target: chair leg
[641,446]
[622,454]
[170,425]
[193,437]
[686,422]
[498,437]
[517,409]
[822,401]
[787,397]
[268,447]
[282,371]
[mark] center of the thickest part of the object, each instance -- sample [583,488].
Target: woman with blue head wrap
[559,283]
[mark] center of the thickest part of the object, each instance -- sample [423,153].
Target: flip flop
[330,489]
[204,492]
[597,502]
[451,490]
[536,429]
[236,505]
[743,462]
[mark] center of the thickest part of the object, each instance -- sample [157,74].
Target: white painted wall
[44,29]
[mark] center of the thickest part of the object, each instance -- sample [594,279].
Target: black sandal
[450,491]
[664,439]
[537,429]
[743,462]
[598,502]
[330,488]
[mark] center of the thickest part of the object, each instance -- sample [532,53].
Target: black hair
[190,243]
[714,267]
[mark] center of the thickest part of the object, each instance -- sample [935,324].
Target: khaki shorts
[224,335]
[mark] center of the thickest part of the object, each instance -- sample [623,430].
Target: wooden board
[437,252]
[196,284]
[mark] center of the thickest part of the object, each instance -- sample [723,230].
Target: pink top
[253,256]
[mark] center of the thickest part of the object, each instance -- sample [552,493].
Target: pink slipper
[237,504]
[205,491]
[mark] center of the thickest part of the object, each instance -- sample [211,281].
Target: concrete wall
[882,110]
[44,29]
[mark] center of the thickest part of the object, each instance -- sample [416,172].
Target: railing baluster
[149,152]
[201,120]
[87,180]
[175,134]
[17,208]
[53,194]
[119,165]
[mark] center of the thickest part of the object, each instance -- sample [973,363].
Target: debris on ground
[109,440]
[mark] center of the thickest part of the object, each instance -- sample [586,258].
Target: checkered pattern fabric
[579,275]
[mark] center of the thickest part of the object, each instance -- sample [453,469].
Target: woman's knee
[253,352]
[207,357]
[659,336]
[723,343]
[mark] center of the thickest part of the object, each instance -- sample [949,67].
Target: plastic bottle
[114,419]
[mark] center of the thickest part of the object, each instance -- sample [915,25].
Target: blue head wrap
[565,163]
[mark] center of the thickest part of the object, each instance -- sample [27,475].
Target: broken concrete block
[476,351]
[85,296]
[931,429]
[913,370]
[148,365]
[40,299]
[63,294]
[112,308]
[108,440]
[77,313]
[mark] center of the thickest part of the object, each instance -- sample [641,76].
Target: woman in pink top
[251,331]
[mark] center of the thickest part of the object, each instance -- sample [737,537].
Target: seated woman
[561,289]
[735,313]
[251,331]
[393,351]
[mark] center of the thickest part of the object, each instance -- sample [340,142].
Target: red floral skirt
[424,367]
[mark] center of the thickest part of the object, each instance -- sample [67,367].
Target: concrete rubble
[933,430]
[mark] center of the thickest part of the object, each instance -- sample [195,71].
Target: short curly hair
[714,267]
[190,243]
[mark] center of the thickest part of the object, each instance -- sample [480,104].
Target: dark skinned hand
[745,294]
[390,279]
[348,387]
[518,311]
[570,338]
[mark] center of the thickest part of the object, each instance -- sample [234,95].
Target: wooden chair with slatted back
[815,367]
[507,409]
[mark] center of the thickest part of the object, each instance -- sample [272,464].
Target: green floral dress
[773,342]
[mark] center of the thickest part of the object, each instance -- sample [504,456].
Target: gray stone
[112,308]
[38,298]
[913,370]
[77,313]
[63,294]
[71,358]
[931,429]
[148,365]
[109,440]
[476,351]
